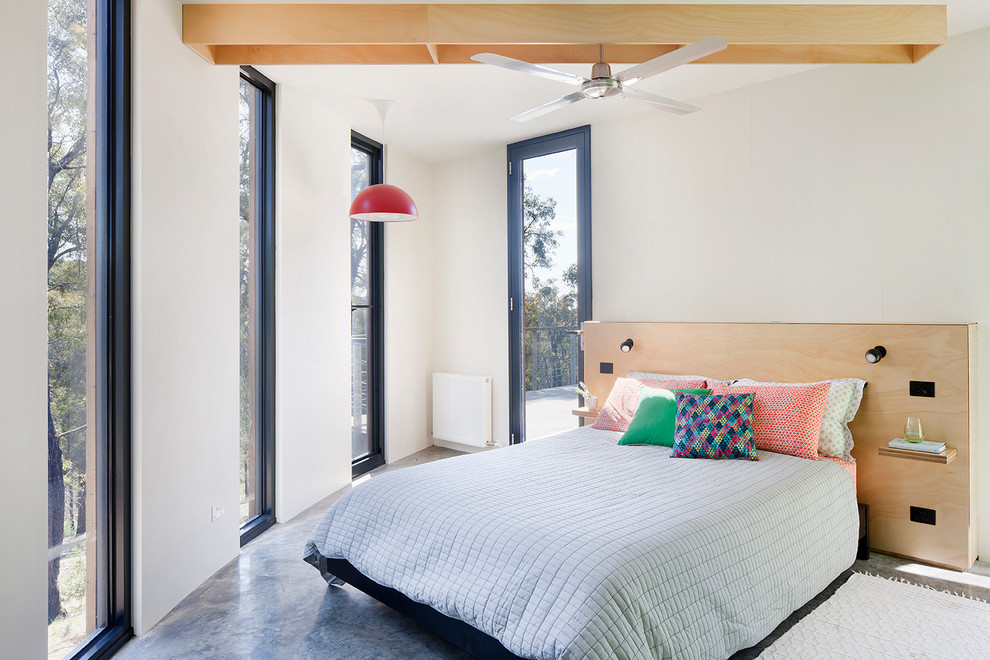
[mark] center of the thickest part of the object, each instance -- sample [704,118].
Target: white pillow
[844,396]
[645,374]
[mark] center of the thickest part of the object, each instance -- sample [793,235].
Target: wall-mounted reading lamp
[626,346]
[876,354]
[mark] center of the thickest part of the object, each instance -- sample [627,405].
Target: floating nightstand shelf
[584,412]
[943,458]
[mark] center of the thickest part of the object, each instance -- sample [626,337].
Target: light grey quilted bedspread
[574,547]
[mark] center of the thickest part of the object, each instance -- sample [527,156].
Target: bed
[574,547]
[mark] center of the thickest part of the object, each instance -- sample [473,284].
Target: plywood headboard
[801,352]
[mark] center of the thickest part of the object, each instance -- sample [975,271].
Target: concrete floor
[268,604]
[974,583]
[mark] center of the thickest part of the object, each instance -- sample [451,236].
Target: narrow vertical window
[257,305]
[367,320]
[88,420]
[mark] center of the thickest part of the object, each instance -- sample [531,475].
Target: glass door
[550,279]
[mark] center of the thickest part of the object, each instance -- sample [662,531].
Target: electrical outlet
[605,367]
[921,388]
[217,512]
[922,515]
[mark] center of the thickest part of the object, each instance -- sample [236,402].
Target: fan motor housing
[600,88]
[600,70]
[602,83]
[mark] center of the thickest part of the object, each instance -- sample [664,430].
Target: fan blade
[549,107]
[526,67]
[683,55]
[654,101]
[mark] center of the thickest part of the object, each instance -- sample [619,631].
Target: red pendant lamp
[383,202]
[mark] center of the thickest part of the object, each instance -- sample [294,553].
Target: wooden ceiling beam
[304,24]
[554,53]
[440,34]
[346,54]
[681,24]
[736,54]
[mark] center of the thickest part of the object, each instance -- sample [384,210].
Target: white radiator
[462,409]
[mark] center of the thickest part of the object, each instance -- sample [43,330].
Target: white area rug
[873,617]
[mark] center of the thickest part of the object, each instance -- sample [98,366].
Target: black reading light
[876,354]
[626,346]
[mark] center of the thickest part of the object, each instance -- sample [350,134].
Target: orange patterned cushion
[786,418]
[620,406]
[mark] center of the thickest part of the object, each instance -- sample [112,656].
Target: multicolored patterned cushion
[786,418]
[620,406]
[715,426]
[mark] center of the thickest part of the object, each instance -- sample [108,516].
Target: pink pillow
[850,467]
[786,418]
[620,406]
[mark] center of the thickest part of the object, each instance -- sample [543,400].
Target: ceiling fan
[603,84]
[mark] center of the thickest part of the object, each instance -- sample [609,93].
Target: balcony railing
[552,355]
[359,395]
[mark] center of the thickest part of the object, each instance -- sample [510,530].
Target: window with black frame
[88,249]
[367,321]
[257,303]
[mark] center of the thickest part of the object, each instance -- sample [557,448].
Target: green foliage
[68,285]
[539,240]
[551,351]
[72,581]
[67,357]
[67,225]
[360,177]
[549,307]
[245,113]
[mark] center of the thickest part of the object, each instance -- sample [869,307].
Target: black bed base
[454,631]
[486,647]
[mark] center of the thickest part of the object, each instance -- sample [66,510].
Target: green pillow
[653,423]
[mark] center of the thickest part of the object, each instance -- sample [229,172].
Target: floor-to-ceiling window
[367,321]
[257,303]
[88,249]
[549,279]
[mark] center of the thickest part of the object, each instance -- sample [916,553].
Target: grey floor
[267,603]
[548,411]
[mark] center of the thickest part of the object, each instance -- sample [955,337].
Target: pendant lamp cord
[384,106]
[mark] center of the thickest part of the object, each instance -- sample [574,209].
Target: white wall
[313,326]
[471,272]
[23,334]
[410,321]
[847,193]
[313,448]
[185,316]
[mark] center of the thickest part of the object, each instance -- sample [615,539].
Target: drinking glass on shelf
[912,430]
